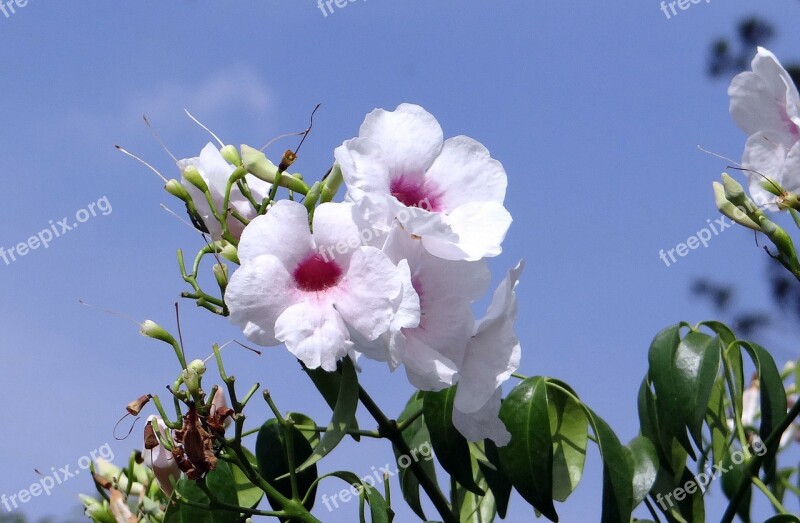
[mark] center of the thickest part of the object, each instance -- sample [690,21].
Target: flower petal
[283,233]
[483,423]
[465,172]
[315,333]
[409,137]
[481,228]
[493,353]
[365,296]
[257,295]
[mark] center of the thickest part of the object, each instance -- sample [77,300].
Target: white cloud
[238,88]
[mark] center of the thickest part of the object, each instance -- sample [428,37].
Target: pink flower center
[413,191]
[315,273]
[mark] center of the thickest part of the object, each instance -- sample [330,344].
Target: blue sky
[595,110]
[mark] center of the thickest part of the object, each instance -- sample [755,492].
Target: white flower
[308,291]
[216,171]
[766,105]
[492,355]
[450,193]
[429,335]
[165,468]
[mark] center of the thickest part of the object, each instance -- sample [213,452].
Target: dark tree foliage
[728,57]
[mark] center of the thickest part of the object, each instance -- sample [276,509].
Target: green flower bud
[734,192]
[231,155]
[198,366]
[313,195]
[152,330]
[192,175]
[737,214]
[332,183]
[175,188]
[258,164]
[228,251]
[261,167]
[220,271]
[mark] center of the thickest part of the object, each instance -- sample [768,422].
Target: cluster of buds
[127,495]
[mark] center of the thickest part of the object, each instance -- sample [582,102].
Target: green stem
[755,464]
[770,496]
[388,428]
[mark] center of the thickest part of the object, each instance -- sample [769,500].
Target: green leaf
[221,483]
[344,415]
[672,400]
[731,480]
[471,507]
[617,472]
[783,518]
[416,436]
[451,448]
[273,462]
[248,494]
[329,384]
[528,458]
[570,431]
[379,509]
[305,421]
[496,478]
[645,467]
[773,401]
[681,497]
[706,353]
[717,421]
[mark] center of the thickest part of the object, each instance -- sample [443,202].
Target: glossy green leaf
[569,427]
[451,449]
[471,507]
[645,467]
[221,483]
[329,384]
[417,437]
[672,399]
[773,401]
[301,420]
[717,421]
[379,509]
[496,478]
[344,415]
[699,360]
[783,518]
[249,495]
[617,472]
[528,458]
[273,462]
[734,474]
[681,498]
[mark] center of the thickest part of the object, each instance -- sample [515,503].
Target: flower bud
[152,330]
[175,188]
[192,175]
[231,155]
[228,251]
[220,271]
[258,164]
[737,214]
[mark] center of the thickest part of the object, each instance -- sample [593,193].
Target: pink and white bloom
[165,468]
[288,290]
[431,348]
[492,355]
[448,192]
[216,171]
[765,104]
